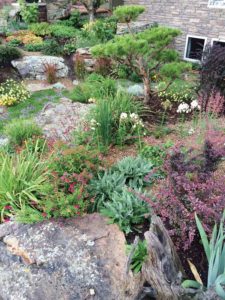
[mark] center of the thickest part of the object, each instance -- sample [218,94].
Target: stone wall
[193,17]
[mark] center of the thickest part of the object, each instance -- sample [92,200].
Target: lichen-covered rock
[34,67]
[59,120]
[82,258]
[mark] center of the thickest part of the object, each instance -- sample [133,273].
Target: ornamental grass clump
[116,119]
[19,131]
[24,180]
[12,92]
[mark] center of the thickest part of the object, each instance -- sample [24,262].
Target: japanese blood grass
[215,253]
[24,180]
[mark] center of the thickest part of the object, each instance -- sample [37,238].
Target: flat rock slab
[81,258]
[33,67]
[36,87]
[59,120]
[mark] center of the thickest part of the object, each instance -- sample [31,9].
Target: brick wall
[193,17]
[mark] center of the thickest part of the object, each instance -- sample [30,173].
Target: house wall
[193,17]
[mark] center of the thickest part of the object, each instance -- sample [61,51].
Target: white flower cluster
[186,108]
[133,117]
[91,100]
[94,124]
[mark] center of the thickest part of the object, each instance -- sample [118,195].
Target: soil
[8,73]
[197,257]
[140,233]
[67,82]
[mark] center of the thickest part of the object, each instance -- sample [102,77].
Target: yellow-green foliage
[12,92]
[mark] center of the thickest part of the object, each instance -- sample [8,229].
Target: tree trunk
[147,90]
[91,15]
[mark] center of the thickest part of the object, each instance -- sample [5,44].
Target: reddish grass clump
[50,70]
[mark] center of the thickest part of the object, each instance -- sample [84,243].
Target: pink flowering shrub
[215,103]
[192,185]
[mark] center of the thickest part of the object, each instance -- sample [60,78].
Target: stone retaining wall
[193,17]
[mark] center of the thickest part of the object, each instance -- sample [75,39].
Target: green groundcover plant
[139,256]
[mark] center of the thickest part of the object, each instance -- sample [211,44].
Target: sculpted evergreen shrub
[148,54]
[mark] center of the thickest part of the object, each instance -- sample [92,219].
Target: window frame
[186,47]
[217,40]
[215,6]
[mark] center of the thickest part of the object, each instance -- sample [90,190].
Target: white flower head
[191,131]
[91,100]
[134,117]
[93,122]
[195,105]
[123,116]
[183,108]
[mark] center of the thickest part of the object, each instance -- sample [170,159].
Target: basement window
[216,3]
[194,48]
[218,43]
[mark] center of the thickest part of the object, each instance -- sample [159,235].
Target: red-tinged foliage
[215,103]
[5,2]
[192,185]
[212,84]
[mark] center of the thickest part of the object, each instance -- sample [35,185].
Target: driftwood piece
[163,270]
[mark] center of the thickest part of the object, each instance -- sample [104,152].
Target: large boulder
[33,67]
[58,9]
[75,259]
[59,120]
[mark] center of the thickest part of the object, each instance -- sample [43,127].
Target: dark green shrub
[62,32]
[102,29]
[75,19]
[34,47]
[7,54]
[14,43]
[52,47]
